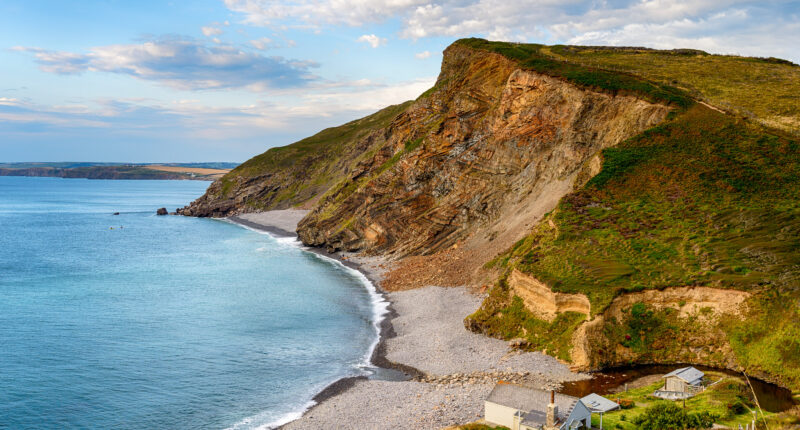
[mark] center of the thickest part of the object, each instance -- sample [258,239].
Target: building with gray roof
[521,408]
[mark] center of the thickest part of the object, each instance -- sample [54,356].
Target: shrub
[669,416]
[626,403]
[736,408]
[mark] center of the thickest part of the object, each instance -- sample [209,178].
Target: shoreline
[378,357]
[429,372]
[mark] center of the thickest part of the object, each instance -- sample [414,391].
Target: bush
[669,416]
[736,408]
[626,403]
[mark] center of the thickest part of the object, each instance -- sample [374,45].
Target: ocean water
[138,321]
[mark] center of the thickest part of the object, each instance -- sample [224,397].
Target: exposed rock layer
[542,301]
[472,158]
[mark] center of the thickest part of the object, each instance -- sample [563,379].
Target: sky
[224,80]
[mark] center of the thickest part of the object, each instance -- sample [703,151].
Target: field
[197,171]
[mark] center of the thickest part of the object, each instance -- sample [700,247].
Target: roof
[532,401]
[597,403]
[688,374]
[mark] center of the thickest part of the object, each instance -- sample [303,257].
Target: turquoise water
[139,321]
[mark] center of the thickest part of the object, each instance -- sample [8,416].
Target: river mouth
[771,397]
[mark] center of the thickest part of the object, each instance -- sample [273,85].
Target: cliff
[615,219]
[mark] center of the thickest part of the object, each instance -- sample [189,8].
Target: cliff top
[764,89]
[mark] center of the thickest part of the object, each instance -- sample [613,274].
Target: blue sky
[223,80]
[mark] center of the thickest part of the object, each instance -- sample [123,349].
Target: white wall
[499,414]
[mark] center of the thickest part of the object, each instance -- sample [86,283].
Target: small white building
[681,384]
[520,408]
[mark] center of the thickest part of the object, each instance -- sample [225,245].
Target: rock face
[485,147]
[542,301]
[696,314]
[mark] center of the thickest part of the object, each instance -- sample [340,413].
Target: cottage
[599,405]
[681,384]
[520,408]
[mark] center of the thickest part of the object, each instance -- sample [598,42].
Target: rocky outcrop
[542,301]
[472,157]
[695,315]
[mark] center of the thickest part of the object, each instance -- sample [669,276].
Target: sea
[139,321]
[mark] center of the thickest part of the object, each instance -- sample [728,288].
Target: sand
[283,222]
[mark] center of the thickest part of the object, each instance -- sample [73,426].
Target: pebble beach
[452,370]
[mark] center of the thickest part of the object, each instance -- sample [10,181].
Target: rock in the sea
[115,213]
[161,211]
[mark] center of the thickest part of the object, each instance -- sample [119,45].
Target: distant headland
[191,171]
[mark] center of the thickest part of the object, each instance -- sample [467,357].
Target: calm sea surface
[140,321]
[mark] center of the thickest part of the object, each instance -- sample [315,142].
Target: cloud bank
[182,63]
[746,27]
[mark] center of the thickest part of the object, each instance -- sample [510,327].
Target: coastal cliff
[615,216]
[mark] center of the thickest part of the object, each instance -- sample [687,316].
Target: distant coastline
[170,171]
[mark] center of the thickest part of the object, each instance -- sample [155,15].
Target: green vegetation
[507,318]
[703,199]
[532,57]
[668,416]
[727,402]
[310,166]
[764,88]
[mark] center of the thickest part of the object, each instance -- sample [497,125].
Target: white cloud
[9,101]
[211,31]
[604,22]
[182,63]
[315,12]
[423,55]
[263,43]
[373,40]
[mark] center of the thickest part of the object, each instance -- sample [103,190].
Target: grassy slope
[717,399]
[767,89]
[704,199]
[535,57]
[315,163]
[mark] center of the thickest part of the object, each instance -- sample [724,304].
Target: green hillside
[705,199]
[307,168]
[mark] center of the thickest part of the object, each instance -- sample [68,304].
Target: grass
[764,88]
[310,166]
[531,57]
[729,399]
[704,199]
[507,318]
